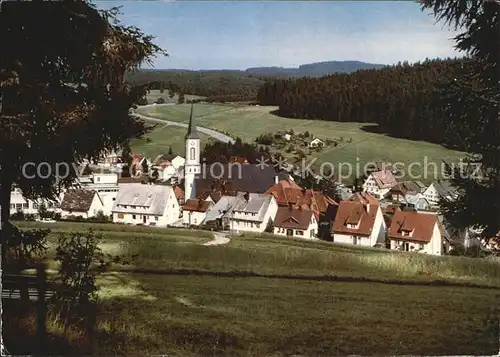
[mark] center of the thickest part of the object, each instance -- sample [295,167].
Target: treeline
[403,99]
[215,85]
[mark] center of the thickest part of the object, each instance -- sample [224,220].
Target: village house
[417,201]
[440,189]
[295,222]
[194,211]
[379,183]
[19,203]
[413,231]
[246,212]
[401,189]
[155,205]
[314,142]
[111,158]
[81,203]
[359,221]
[287,192]
[137,164]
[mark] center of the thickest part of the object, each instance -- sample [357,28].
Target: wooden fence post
[23,290]
[41,305]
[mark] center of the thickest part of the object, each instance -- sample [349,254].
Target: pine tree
[473,112]
[181,98]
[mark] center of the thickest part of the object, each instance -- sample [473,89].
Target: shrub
[160,101]
[18,216]
[265,139]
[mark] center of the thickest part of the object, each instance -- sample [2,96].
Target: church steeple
[192,133]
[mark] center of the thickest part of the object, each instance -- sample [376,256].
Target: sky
[243,34]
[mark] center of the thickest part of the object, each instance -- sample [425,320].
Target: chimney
[276,179]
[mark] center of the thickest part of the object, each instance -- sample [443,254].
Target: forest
[216,86]
[405,100]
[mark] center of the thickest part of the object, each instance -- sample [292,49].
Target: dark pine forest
[403,99]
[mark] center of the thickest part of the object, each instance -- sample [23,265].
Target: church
[202,180]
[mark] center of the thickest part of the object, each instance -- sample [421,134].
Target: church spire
[192,133]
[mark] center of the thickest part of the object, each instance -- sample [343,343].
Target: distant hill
[235,85]
[313,69]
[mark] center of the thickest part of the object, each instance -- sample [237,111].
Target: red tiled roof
[402,188]
[196,205]
[384,179]
[355,212]
[179,193]
[365,198]
[287,192]
[293,218]
[391,209]
[420,225]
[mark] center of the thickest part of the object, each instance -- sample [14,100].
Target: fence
[35,288]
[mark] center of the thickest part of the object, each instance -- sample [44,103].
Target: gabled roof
[355,212]
[287,192]
[293,218]
[384,179]
[406,187]
[256,203]
[247,178]
[78,200]
[143,199]
[365,198]
[444,187]
[420,225]
[196,205]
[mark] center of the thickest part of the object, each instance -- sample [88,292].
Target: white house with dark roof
[81,203]
[246,212]
[438,189]
[155,205]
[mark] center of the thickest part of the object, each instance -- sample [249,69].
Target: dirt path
[219,239]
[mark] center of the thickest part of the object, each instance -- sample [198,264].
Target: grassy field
[248,122]
[162,138]
[167,304]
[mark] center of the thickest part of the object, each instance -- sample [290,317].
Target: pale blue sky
[238,35]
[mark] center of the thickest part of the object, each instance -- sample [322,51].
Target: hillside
[235,85]
[313,69]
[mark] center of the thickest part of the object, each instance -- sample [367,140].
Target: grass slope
[192,314]
[162,138]
[248,122]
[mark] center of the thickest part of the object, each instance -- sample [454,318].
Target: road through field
[213,133]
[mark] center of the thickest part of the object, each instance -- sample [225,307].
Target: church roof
[192,133]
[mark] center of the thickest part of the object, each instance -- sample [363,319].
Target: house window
[156,218]
[192,153]
[421,246]
[98,179]
[35,205]
[19,206]
[299,233]
[133,216]
[120,215]
[25,206]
